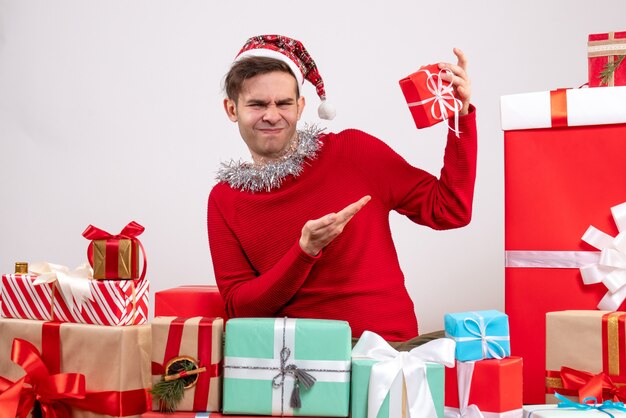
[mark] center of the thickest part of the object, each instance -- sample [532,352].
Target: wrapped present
[152,414]
[189,301]
[430,98]
[188,349]
[557,182]
[491,387]
[586,355]
[478,335]
[281,366]
[387,383]
[52,292]
[605,53]
[93,371]
[116,256]
[569,409]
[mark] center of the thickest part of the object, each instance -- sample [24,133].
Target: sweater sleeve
[439,203]
[245,292]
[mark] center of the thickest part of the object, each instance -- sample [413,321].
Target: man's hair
[250,67]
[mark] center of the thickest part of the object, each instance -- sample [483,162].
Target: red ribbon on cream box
[430,98]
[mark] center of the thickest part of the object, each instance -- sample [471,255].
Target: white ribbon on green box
[267,359]
[380,374]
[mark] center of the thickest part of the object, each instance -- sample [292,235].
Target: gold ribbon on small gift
[609,48]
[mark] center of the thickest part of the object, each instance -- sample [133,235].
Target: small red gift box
[605,51]
[190,301]
[495,386]
[558,182]
[116,256]
[430,98]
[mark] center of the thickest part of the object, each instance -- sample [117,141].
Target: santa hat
[293,53]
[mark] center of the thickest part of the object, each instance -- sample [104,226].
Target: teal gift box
[387,383]
[286,366]
[393,403]
[479,335]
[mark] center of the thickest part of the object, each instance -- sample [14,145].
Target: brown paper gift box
[201,339]
[591,342]
[111,358]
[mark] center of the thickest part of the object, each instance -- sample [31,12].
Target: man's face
[267,112]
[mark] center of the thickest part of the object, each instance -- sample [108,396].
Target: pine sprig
[609,70]
[170,393]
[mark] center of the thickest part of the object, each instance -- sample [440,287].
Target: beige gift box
[201,339]
[111,358]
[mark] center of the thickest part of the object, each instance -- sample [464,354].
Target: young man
[303,230]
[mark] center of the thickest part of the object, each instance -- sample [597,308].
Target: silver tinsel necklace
[255,178]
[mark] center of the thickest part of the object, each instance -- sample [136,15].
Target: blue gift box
[479,335]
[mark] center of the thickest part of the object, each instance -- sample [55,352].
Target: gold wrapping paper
[126,269]
[189,347]
[574,339]
[111,358]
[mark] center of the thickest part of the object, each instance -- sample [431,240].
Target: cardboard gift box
[101,302]
[494,387]
[387,383]
[478,335]
[430,99]
[607,49]
[189,301]
[110,365]
[586,355]
[197,340]
[284,366]
[574,411]
[563,172]
[152,414]
[116,256]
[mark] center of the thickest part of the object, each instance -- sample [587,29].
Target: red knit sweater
[261,270]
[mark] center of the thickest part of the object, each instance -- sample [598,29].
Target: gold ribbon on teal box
[267,361]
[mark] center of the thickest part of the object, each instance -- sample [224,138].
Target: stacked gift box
[73,344]
[485,379]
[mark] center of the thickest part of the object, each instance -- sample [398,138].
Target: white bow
[464,372]
[411,364]
[611,269]
[73,285]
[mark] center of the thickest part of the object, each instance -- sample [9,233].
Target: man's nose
[272,114]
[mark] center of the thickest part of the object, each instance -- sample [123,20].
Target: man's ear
[301,103]
[231,109]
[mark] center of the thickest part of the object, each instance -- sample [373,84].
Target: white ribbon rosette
[610,269]
[412,365]
[72,284]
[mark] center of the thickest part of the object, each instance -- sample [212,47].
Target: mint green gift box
[361,370]
[261,356]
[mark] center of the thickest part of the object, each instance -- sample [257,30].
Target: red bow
[599,386]
[130,231]
[52,391]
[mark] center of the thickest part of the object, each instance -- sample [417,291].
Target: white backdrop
[111,111]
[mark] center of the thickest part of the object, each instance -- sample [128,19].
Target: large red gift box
[430,98]
[496,387]
[197,339]
[112,302]
[190,301]
[559,180]
[94,371]
[606,49]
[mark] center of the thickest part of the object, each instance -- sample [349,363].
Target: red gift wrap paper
[602,49]
[496,385]
[415,88]
[199,338]
[558,182]
[114,302]
[190,301]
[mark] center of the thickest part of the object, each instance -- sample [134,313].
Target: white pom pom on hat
[297,57]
